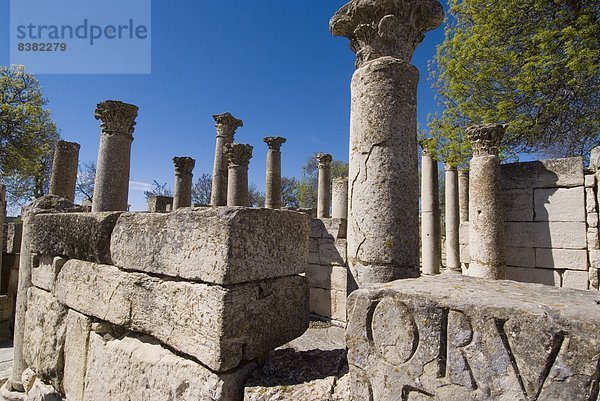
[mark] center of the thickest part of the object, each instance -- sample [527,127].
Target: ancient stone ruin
[346,301]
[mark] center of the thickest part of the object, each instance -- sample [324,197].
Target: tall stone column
[111,189]
[273,184]
[324,185]
[486,217]
[339,198]
[183,181]
[238,156]
[64,170]
[463,194]
[452,220]
[226,125]
[383,215]
[2,219]
[430,212]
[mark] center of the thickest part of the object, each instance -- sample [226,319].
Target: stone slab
[590,201]
[465,257]
[221,326]
[332,252]
[425,340]
[138,368]
[522,257]
[577,280]
[463,233]
[567,172]
[559,204]
[328,277]
[531,275]
[590,181]
[574,259]
[44,271]
[567,235]
[213,245]
[76,354]
[328,303]
[44,336]
[593,241]
[592,220]
[518,204]
[84,236]
[13,237]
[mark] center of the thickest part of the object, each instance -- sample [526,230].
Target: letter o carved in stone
[394,331]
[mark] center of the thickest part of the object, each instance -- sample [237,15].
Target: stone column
[273,184]
[430,212]
[383,209]
[452,220]
[64,170]
[2,219]
[324,185]
[183,181]
[238,157]
[339,198]
[463,194]
[486,217]
[111,188]
[226,125]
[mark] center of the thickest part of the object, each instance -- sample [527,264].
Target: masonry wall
[327,271]
[551,223]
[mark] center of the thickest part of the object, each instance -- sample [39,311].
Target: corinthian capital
[485,139]
[379,28]
[226,124]
[274,142]
[238,154]
[183,165]
[116,117]
[324,160]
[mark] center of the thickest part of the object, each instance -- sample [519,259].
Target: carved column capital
[324,160]
[226,124]
[183,165]
[274,142]
[238,154]
[116,117]
[392,28]
[485,139]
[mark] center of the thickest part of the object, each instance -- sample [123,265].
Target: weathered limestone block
[41,391]
[137,368]
[216,245]
[84,236]
[590,201]
[423,339]
[538,276]
[575,279]
[569,235]
[463,232]
[44,336]
[566,172]
[221,326]
[328,277]
[76,354]
[13,237]
[573,259]
[160,203]
[332,252]
[518,204]
[559,204]
[45,269]
[329,303]
[590,181]
[523,257]
[593,242]
[328,228]
[592,220]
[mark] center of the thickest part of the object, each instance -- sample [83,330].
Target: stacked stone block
[548,208]
[162,306]
[592,208]
[327,271]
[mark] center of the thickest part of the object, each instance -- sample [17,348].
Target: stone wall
[9,275]
[327,271]
[551,220]
[162,306]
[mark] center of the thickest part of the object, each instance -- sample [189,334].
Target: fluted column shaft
[430,214]
[64,170]
[339,198]
[182,196]
[226,126]
[238,157]
[324,185]
[111,188]
[452,220]
[273,178]
[486,216]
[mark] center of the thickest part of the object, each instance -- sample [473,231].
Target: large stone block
[328,303]
[559,204]
[214,245]
[518,204]
[84,236]
[332,252]
[44,336]
[76,355]
[221,326]
[522,257]
[13,237]
[578,280]
[566,172]
[44,271]
[574,259]
[531,275]
[138,368]
[423,339]
[591,205]
[463,233]
[329,277]
[568,235]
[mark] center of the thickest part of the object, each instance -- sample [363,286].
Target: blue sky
[271,63]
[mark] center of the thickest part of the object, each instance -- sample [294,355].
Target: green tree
[27,136]
[307,185]
[532,64]
[255,197]
[289,192]
[201,190]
